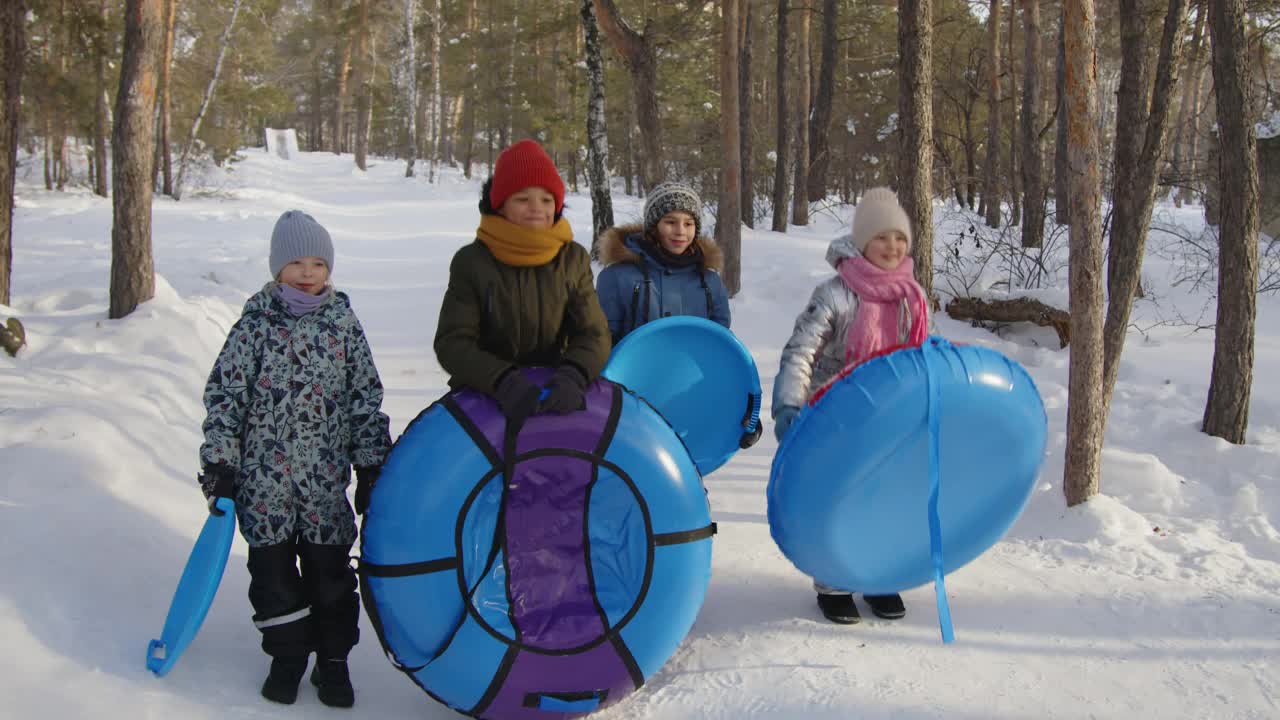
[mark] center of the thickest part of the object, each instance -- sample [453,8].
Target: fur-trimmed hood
[622,244]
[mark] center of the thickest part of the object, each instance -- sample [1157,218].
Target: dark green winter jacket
[497,316]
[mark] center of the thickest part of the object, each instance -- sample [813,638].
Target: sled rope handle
[935,523]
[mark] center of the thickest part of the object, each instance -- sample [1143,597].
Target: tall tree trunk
[411,78]
[728,214]
[13,48]
[61,108]
[800,196]
[1226,413]
[628,147]
[1061,168]
[1131,216]
[746,94]
[133,279]
[208,100]
[915,122]
[342,75]
[362,76]
[638,52]
[597,136]
[101,115]
[820,122]
[1133,102]
[1015,180]
[1085,406]
[437,106]
[991,174]
[1184,141]
[782,160]
[1033,184]
[507,132]
[166,97]
[468,95]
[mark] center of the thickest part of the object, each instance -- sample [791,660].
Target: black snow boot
[839,608]
[333,683]
[889,607]
[281,684]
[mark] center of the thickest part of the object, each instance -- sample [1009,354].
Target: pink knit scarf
[880,294]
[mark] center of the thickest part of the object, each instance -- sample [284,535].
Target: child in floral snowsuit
[293,403]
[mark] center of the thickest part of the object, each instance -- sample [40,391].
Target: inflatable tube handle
[935,523]
[751,424]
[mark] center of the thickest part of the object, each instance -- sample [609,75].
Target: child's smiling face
[886,250]
[532,207]
[308,274]
[676,231]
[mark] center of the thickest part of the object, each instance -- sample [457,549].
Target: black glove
[565,391]
[366,478]
[218,481]
[516,396]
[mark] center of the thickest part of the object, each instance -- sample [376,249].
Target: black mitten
[218,481]
[517,397]
[565,391]
[366,478]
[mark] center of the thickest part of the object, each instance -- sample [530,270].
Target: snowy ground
[1159,598]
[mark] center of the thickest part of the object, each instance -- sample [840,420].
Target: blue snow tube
[700,377]
[540,575]
[907,467]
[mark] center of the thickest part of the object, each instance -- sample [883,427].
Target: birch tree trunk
[1085,406]
[1226,413]
[164,144]
[133,279]
[1033,184]
[1134,201]
[729,214]
[991,174]
[782,150]
[13,49]
[411,78]
[915,121]
[800,195]
[204,103]
[820,122]
[437,109]
[597,137]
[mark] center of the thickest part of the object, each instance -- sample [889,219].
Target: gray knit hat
[669,197]
[879,211]
[298,235]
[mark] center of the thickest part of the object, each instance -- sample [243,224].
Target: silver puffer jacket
[816,350]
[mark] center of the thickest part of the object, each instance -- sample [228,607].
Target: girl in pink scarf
[872,305]
[891,309]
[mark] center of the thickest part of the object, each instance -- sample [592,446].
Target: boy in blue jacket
[662,268]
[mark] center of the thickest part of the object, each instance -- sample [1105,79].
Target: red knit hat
[523,165]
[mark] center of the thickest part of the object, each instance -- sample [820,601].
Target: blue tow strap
[935,524]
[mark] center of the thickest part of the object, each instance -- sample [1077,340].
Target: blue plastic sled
[196,589]
[702,380]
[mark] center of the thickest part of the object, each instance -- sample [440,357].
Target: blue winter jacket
[636,287]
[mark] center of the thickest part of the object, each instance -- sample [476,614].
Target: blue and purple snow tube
[541,575]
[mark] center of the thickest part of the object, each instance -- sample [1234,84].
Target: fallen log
[1015,310]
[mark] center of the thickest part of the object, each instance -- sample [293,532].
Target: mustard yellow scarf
[521,246]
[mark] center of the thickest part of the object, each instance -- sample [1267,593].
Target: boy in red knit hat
[522,295]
